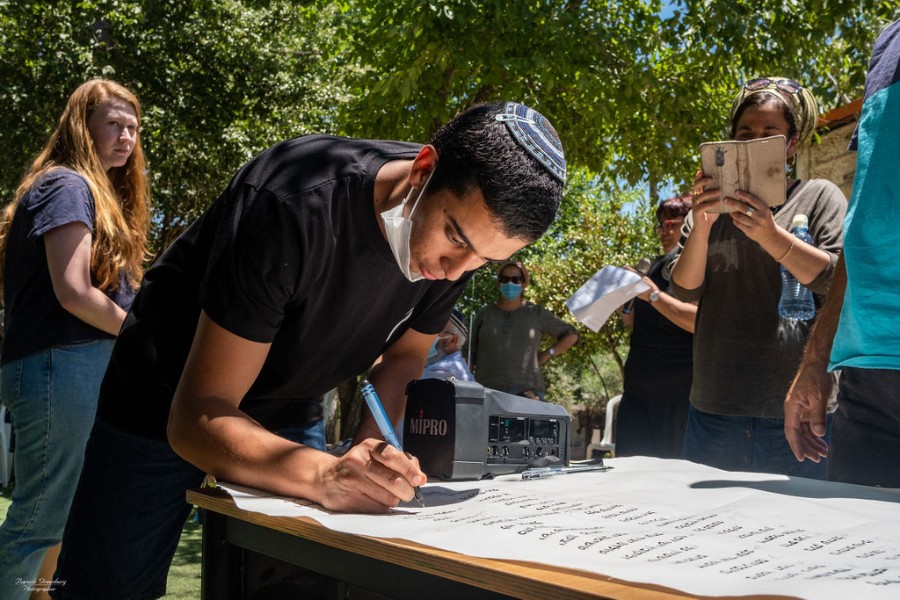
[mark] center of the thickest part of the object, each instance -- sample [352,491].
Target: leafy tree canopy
[218,81]
[633,87]
[632,92]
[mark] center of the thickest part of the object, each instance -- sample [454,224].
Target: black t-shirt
[290,254]
[660,357]
[34,318]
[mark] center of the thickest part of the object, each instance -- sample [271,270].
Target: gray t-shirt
[745,356]
[505,346]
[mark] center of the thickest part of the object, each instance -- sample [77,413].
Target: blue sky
[669,9]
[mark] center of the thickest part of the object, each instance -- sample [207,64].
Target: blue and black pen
[384,425]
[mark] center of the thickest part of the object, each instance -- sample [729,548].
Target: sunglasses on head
[510,279]
[785,85]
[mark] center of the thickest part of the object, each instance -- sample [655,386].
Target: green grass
[184,576]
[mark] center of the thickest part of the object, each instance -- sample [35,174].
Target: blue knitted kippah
[535,133]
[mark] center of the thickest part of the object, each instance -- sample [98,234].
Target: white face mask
[398,229]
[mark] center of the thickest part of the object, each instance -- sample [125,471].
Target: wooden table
[232,537]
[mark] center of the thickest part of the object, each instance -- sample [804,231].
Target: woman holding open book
[745,355]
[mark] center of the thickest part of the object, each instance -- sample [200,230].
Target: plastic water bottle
[796,299]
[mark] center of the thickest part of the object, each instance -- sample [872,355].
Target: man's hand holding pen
[371,477]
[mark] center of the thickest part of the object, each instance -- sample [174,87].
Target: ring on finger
[750,211]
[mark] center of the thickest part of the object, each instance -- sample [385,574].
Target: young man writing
[322,254]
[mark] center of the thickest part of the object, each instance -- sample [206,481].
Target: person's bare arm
[561,346]
[806,401]
[689,272]
[682,314]
[804,261]
[207,428]
[68,250]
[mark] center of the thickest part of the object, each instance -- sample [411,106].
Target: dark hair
[673,208]
[759,100]
[477,151]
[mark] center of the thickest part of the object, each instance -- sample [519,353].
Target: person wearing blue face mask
[507,336]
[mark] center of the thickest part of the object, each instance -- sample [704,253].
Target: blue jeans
[52,396]
[753,444]
[309,434]
[126,519]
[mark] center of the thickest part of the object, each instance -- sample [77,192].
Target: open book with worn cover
[755,166]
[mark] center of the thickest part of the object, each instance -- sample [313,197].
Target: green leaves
[219,81]
[631,92]
[594,228]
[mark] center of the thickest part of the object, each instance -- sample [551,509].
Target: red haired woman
[72,246]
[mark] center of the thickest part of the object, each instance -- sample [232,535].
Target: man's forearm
[821,338]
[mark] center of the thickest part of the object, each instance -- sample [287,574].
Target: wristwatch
[551,351]
[654,296]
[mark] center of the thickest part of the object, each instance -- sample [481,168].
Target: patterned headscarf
[799,100]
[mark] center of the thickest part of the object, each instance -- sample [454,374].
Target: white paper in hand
[607,290]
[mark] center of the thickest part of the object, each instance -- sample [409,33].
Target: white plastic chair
[6,457]
[607,443]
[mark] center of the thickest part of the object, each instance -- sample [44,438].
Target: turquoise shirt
[868,334]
